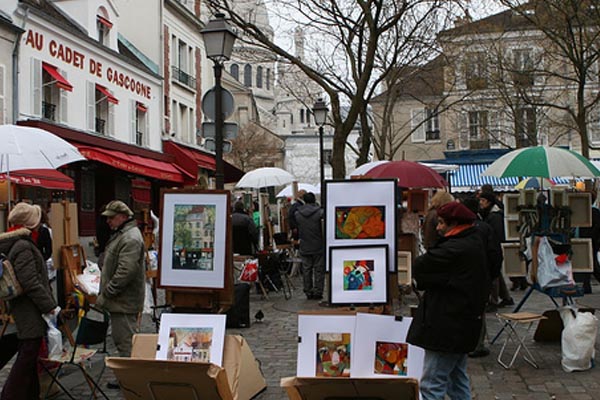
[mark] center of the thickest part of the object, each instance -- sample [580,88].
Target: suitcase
[238,315]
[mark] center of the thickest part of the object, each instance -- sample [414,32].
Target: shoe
[113,385]
[479,353]
[506,303]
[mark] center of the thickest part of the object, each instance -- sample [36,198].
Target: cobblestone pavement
[274,343]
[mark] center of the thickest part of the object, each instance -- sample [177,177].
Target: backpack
[9,285]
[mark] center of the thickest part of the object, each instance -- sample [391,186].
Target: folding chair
[89,332]
[511,322]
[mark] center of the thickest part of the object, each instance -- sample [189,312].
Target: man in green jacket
[122,283]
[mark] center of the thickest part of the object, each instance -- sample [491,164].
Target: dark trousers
[23,381]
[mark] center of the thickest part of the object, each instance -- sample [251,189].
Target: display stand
[350,388]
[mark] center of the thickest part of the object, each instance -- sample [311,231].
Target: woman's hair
[439,199]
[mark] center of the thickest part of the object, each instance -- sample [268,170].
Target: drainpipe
[15,70]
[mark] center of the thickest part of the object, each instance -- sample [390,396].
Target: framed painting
[581,209]
[361,213]
[404,268]
[513,265]
[582,258]
[381,350]
[358,275]
[191,338]
[511,204]
[418,201]
[325,345]
[558,197]
[194,244]
[527,197]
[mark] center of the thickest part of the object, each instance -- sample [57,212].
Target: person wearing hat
[449,317]
[122,282]
[27,309]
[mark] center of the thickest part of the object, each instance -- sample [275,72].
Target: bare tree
[347,41]
[254,147]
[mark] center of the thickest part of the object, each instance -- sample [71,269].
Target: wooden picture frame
[511,204]
[404,268]
[581,209]
[558,197]
[513,265]
[417,201]
[527,197]
[511,229]
[582,258]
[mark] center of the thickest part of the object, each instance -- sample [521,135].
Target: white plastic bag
[148,298]
[55,345]
[549,273]
[578,339]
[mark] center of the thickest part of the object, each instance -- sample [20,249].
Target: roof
[503,21]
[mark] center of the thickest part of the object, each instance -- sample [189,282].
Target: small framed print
[511,229]
[581,209]
[511,204]
[513,265]
[527,197]
[358,275]
[404,268]
[558,197]
[582,257]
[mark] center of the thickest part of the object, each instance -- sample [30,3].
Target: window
[478,130]
[139,123]
[302,115]
[248,75]
[268,79]
[476,71]
[101,104]
[523,67]
[103,25]
[432,125]
[594,125]
[88,191]
[259,77]
[174,119]
[50,88]
[235,71]
[182,56]
[525,124]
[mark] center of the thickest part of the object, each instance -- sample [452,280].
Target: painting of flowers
[358,274]
[391,358]
[333,354]
[360,222]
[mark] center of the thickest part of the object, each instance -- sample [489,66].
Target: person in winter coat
[309,217]
[27,309]
[122,282]
[429,229]
[293,224]
[448,320]
[245,233]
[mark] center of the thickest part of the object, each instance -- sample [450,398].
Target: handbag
[9,285]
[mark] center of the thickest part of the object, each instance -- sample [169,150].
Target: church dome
[255,11]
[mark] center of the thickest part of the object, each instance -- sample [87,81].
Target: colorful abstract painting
[194,237]
[333,354]
[190,344]
[360,222]
[391,358]
[358,274]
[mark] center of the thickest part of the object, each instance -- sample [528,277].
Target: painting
[361,213]
[333,354]
[582,259]
[325,345]
[391,358]
[193,239]
[191,338]
[580,205]
[360,222]
[358,274]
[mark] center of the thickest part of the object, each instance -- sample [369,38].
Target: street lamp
[218,40]
[320,113]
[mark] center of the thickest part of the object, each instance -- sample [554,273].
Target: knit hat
[488,196]
[117,207]
[26,215]
[456,212]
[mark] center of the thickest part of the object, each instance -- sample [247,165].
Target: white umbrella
[287,191]
[264,177]
[24,147]
[363,169]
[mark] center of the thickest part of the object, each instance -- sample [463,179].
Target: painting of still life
[391,358]
[333,354]
[190,344]
[194,237]
[358,274]
[360,222]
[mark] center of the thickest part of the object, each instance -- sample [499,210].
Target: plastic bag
[578,339]
[549,273]
[148,298]
[55,345]
[250,271]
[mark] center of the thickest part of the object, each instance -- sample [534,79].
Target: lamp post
[218,40]
[320,113]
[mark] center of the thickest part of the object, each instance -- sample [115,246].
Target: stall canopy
[46,178]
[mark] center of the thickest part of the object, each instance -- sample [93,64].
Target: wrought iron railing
[49,111]
[183,77]
[100,125]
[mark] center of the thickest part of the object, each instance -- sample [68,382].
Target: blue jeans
[445,373]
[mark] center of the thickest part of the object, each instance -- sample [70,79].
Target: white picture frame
[310,326]
[581,209]
[511,204]
[380,194]
[582,258]
[511,229]
[558,197]
[180,334]
[527,197]
[373,332]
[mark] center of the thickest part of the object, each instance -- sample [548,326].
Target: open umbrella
[542,161]
[287,191]
[264,177]
[535,183]
[410,174]
[363,169]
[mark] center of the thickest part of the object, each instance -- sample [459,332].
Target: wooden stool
[511,321]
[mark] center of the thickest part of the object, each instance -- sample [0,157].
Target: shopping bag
[551,273]
[578,339]
[250,271]
[55,345]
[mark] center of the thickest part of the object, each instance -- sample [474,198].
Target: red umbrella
[410,174]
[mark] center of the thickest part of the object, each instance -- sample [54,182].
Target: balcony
[432,135]
[49,111]
[183,77]
[479,144]
[100,125]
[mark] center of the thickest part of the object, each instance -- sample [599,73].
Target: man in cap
[448,320]
[122,283]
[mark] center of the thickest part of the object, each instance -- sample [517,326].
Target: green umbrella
[542,161]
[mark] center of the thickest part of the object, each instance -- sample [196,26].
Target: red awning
[189,159]
[140,191]
[109,96]
[141,107]
[105,22]
[46,178]
[60,80]
[135,164]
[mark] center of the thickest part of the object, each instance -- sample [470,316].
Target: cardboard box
[351,388]
[143,377]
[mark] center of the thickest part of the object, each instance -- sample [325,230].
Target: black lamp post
[218,41]
[320,113]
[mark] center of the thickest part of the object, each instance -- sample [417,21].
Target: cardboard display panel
[511,230]
[582,257]
[581,208]
[511,203]
[512,266]
[350,388]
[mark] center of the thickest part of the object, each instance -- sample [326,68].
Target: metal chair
[511,322]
